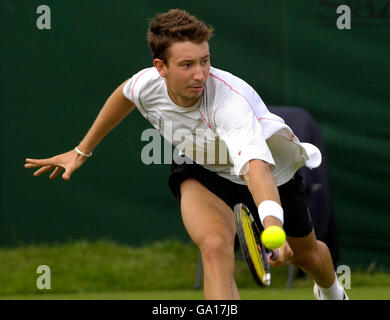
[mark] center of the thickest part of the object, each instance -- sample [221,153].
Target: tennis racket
[252,249]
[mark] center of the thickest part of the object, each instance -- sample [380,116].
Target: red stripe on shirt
[213,75]
[132,89]
[261,118]
[204,119]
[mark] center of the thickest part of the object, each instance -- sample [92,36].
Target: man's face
[186,71]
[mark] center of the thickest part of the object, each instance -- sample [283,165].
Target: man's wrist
[82,153]
[272,209]
[271,221]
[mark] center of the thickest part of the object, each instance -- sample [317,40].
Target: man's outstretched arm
[262,186]
[116,108]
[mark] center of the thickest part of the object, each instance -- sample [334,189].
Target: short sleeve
[237,125]
[127,89]
[134,87]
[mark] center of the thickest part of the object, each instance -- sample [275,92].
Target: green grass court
[360,293]
[161,271]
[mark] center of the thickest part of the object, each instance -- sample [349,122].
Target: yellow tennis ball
[273,237]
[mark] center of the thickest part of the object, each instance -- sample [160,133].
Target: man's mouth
[197,88]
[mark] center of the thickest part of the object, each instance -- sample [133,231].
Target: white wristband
[270,208]
[87,155]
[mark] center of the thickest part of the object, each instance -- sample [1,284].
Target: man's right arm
[116,108]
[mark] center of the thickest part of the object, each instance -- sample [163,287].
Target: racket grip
[274,254]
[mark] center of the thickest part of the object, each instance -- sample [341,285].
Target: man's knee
[306,259]
[216,247]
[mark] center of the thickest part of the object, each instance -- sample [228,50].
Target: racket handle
[274,254]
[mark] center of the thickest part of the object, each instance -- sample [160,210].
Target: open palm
[69,161]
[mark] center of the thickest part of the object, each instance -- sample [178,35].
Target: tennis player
[182,89]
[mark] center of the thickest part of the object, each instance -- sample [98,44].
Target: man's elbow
[254,166]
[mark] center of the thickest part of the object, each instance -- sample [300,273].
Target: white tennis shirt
[227,127]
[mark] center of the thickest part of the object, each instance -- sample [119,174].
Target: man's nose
[199,73]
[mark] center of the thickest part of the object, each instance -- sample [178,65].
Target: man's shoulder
[145,75]
[228,89]
[222,74]
[228,80]
[142,82]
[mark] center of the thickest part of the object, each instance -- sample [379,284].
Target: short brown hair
[175,26]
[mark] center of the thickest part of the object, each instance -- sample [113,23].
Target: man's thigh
[204,214]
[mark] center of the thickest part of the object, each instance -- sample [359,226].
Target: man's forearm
[116,108]
[262,186]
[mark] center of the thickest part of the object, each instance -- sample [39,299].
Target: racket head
[252,249]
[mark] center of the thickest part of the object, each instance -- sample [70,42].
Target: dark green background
[54,83]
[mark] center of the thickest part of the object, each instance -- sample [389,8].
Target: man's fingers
[42,170]
[34,163]
[274,262]
[285,254]
[31,165]
[66,161]
[55,172]
[68,173]
[66,176]
[38,161]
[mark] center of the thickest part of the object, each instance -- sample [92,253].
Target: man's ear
[160,66]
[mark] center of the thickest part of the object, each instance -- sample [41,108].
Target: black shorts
[297,220]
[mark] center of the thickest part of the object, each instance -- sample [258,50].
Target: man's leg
[313,257]
[209,222]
